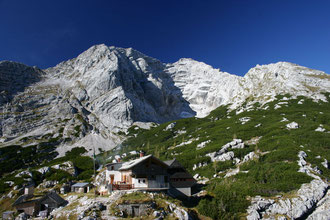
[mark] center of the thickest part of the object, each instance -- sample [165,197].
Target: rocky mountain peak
[112,80]
[109,88]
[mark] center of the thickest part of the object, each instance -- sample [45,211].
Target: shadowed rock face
[15,77]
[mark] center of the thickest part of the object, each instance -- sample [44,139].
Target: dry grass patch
[312,88]
[324,76]
[135,197]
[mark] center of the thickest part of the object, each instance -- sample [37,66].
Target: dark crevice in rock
[311,210]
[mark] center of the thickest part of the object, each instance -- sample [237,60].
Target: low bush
[58,175]
[85,175]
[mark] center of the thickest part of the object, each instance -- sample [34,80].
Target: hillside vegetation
[264,129]
[273,135]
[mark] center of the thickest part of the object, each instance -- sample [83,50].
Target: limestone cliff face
[87,100]
[122,86]
[206,88]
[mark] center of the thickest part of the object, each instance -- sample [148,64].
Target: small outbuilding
[51,201]
[8,215]
[81,187]
[28,204]
[33,205]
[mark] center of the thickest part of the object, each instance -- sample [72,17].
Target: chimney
[141,154]
[118,160]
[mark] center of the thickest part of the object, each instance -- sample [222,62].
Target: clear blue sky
[231,35]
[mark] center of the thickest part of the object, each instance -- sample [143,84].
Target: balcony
[151,186]
[122,186]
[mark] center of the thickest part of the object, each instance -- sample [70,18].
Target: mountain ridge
[104,90]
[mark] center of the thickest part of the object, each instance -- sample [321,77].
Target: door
[160,181]
[135,211]
[112,178]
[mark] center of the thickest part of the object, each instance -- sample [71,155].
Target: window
[139,181]
[144,181]
[112,168]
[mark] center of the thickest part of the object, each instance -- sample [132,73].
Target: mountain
[93,98]
[259,144]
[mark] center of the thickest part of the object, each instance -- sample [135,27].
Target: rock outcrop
[310,201]
[222,154]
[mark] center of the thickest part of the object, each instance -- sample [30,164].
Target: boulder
[250,156]
[292,125]
[170,126]
[156,213]
[238,146]
[24,173]
[325,163]
[44,170]
[22,216]
[320,129]
[226,156]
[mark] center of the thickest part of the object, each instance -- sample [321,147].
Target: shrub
[4,187]
[83,163]
[85,175]
[58,175]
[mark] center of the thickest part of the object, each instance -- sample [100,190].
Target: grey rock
[10,183]
[238,146]
[292,125]
[253,215]
[226,156]
[44,170]
[308,196]
[325,163]
[170,126]
[24,173]
[22,216]
[156,213]
[250,156]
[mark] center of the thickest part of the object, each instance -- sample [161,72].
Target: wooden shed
[32,205]
[8,215]
[80,187]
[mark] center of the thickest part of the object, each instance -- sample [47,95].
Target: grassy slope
[273,173]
